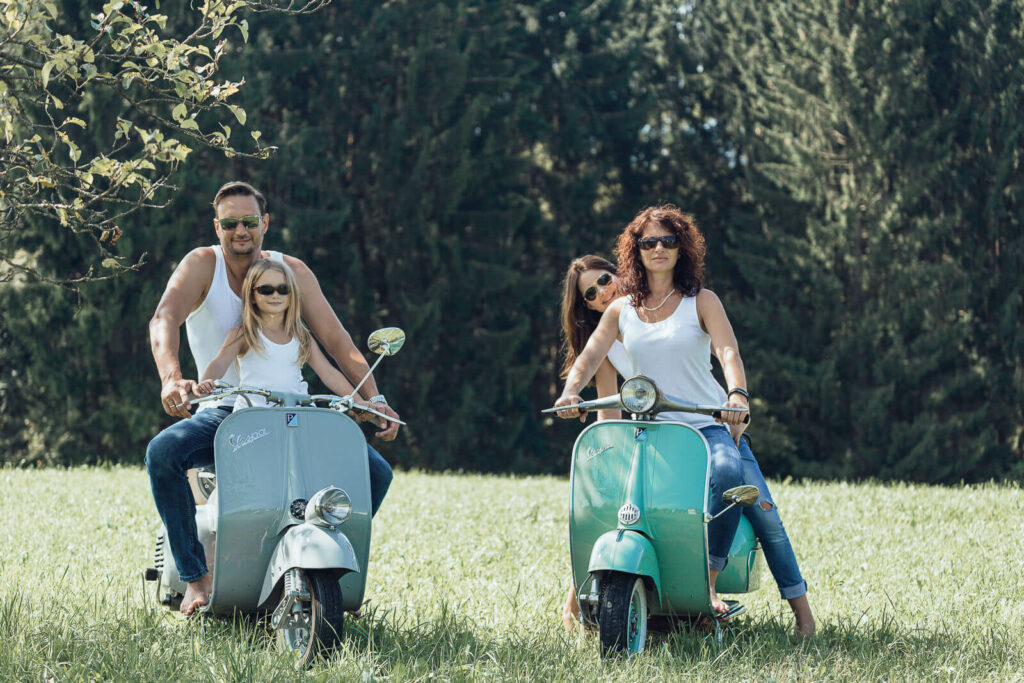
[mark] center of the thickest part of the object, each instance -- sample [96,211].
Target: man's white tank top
[208,326]
[676,354]
[275,367]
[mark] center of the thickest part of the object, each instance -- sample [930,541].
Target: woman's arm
[726,349]
[222,361]
[590,359]
[606,386]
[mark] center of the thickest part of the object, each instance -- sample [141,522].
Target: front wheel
[310,615]
[623,614]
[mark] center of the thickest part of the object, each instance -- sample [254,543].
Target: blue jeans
[778,551]
[726,472]
[732,466]
[187,444]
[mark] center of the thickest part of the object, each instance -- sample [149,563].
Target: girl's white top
[676,354]
[207,327]
[619,360]
[275,367]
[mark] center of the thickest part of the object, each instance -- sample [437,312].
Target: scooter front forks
[290,607]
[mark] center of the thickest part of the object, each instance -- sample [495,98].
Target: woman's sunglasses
[590,293]
[267,290]
[230,224]
[667,241]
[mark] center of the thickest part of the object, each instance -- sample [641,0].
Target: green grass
[467,577]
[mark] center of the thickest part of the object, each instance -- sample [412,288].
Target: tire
[622,621]
[315,629]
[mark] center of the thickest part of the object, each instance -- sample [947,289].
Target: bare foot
[571,612]
[805,625]
[197,594]
[716,602]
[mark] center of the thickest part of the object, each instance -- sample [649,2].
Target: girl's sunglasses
[667,241]
[267,290]
[230,224]
[590,293]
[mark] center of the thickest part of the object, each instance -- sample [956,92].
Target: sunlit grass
[467,577]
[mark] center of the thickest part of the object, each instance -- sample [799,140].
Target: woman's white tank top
[619,360]
[207,327]
[676,354]
[275,367]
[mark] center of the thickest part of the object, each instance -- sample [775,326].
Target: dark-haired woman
[669,324]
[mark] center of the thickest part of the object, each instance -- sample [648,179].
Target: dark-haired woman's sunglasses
[590,293]
[267,290]
[667,241]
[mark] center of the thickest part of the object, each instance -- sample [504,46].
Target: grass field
[467,576]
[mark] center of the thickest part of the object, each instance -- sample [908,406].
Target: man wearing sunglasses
[204,293]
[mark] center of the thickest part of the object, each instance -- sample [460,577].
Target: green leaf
[47,68]
[238,112]
[243,26]
[179,112]
[110,263]
[190,124]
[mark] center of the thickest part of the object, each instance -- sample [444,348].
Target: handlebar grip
[718,416]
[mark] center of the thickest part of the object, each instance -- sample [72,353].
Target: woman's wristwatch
[379,398]
[738,390]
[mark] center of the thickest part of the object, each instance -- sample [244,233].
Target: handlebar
[340,403]
[666,403]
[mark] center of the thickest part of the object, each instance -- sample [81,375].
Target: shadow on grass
[880,642]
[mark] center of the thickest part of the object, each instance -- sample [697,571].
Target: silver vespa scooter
[286,518]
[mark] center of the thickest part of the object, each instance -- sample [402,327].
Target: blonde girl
[272,343]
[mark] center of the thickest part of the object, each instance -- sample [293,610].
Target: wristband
[739,390]
[379,398]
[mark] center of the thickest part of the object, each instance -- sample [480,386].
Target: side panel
[742,574]
[266,458]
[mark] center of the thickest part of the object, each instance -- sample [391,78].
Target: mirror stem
[709,518]
[355,392]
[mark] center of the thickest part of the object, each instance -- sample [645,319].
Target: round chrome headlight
[638,394]
[329,507]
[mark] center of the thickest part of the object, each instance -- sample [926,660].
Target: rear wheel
[312,624]
[623,614]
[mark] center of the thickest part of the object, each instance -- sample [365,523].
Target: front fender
[626,551]
[308,546]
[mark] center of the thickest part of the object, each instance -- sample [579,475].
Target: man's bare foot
[197,594]
[805,625]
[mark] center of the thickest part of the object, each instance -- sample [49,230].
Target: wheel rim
[636,620]
[297,632]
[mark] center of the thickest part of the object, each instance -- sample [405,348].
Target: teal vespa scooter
[639,515]
[285,520]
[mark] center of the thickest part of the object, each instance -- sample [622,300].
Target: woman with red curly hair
[669,324]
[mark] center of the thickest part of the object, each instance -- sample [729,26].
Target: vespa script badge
[629,514]
[241,441]
[591,454]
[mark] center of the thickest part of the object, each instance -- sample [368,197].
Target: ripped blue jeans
[732,466]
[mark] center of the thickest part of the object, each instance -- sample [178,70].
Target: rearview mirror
[386,341]
[744,496]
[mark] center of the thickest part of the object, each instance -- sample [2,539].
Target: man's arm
[185,290]
[329,331]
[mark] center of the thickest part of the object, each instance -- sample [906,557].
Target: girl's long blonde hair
[252,319]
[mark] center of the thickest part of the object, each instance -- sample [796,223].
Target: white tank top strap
[208,325]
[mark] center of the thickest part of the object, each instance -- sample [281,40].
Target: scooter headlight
[638,394]
[329,507]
